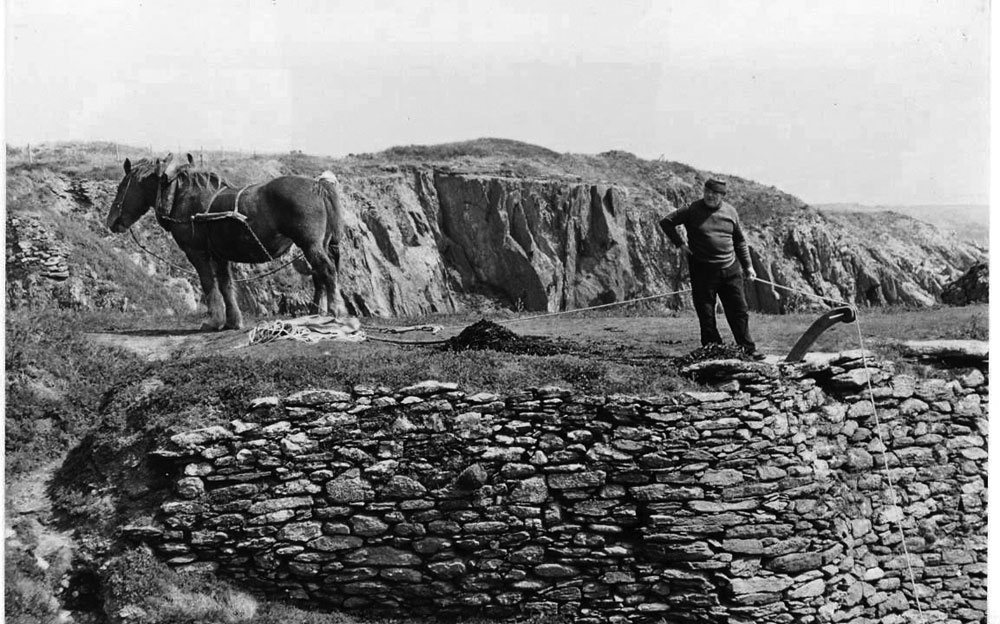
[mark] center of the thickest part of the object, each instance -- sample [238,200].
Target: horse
[215,224]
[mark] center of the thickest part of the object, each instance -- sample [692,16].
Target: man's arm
[742,249]
[669,225]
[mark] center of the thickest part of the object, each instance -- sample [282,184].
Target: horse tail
[328,186]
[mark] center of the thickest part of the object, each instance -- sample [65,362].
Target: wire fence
[107,153]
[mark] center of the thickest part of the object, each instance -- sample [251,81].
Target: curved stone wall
[765,501]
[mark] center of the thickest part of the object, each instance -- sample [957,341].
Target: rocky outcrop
[972,287]
[780,497]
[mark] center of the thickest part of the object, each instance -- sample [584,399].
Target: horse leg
[224,274]
[324,275]
[210,287]
[333,284]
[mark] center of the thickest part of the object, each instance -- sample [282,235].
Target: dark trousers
[710,281]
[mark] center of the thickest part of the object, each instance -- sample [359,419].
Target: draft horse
[216,224]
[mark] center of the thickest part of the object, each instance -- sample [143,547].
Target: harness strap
[235,213]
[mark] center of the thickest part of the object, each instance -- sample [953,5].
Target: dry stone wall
[767,500]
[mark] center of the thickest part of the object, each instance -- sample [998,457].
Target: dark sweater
[714,236]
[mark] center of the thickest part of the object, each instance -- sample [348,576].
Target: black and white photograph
[512,312]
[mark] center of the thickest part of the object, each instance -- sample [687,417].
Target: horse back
[299,202]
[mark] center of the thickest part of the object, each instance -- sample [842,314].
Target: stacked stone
[762,501]
[912,455]
[33,249]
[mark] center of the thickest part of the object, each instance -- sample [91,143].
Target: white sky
[874,101]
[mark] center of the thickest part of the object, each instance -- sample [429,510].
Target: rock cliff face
[538,232]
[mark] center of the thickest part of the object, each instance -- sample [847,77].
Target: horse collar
[161,212]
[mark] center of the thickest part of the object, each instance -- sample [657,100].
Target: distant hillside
[967,221]
[450,227]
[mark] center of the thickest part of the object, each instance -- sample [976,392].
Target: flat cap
[715,185]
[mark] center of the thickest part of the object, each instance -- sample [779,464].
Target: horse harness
[208,215]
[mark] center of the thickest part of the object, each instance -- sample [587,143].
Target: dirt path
[163,344]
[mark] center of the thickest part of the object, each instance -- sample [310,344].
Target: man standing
[716,249]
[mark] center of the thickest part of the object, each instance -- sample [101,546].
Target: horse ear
[128,166]
[190,158]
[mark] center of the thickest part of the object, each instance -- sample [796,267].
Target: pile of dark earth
[489,335]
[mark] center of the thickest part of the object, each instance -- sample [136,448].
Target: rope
[878,430]
[596,307]
[184,269]
[888,475]
[823,298]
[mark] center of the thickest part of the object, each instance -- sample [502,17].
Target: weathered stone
[666,492]
[198,469]
[533,490]
[793,563]
[974,453]
[368,526]
[300,531]
[811,589]
[201,437]
[297,486]
[859,459]
[969,405]
[721,478]
[555,570]
[504,454]
[567,481]
[349,488]
[182,507]
[427,388]
[402,487]
[276,504]
[760,584]
[190,487]
[472,478]
[332,543]
[447,569]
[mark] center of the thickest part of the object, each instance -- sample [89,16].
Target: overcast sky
[871,101]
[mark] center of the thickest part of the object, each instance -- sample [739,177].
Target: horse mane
[203,179]
[143,168]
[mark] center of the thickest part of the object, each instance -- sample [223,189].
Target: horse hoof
[210,327]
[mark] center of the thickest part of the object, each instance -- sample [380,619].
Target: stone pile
[766,500]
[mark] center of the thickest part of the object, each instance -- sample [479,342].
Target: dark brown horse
[215,224]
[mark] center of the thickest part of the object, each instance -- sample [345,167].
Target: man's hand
[751,274]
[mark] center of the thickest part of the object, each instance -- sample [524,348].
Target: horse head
[136,194]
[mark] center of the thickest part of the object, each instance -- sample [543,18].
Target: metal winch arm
[843,314]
